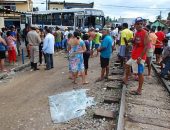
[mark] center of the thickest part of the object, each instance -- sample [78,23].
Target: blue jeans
[165,70]
[49,61]
[64,43]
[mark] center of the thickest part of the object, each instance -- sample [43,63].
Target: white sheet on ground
[69,105]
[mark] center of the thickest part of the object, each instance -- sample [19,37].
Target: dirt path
[24,98]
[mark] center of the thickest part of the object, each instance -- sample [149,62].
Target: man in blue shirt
[105,53]
[48,48]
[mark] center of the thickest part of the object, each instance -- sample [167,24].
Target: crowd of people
[136,45]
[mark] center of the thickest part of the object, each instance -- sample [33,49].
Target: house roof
[72,3]
[13,1]
[166,22]
[160,23]
[5,11]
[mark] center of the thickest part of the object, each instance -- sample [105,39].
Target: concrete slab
[101,113]
[111,100]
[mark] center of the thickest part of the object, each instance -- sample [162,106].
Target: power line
[135,7]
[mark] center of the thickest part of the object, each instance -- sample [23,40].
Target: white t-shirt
[66,34]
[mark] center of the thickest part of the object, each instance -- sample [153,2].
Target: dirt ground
[24,96]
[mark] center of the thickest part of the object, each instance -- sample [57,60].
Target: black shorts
[86,61]
[104,62]
[2,55]
[158,51]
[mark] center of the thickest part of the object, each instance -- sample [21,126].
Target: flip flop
[85,83]
[99,79]
[74,82]
[124,82]
[134,93]
[4,70]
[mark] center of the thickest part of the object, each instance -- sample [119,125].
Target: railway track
[149,111]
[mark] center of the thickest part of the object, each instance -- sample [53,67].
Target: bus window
[99,22]
[34,19]
[48,22]
[39,21]
[23,19]
[44,18]
[89,21]
[68,19]
[56,19]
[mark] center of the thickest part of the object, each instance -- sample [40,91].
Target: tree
[108,19]
[159,17]
[168,18]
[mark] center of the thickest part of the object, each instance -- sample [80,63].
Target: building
[68,5]
[17,5]
[129,21]
[162,23]
[11,10]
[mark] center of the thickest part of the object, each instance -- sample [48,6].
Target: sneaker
[165,77]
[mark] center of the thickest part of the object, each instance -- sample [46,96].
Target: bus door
[80,21]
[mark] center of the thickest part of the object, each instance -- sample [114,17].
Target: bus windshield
[68,19]
[94,21]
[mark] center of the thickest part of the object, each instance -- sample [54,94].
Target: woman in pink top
[11,48]
[151,48]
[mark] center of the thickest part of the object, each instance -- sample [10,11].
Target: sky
[147,9]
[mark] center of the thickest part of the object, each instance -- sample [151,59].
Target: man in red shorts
[138,55]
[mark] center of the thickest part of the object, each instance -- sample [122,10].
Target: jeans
[64,44]
[165,70]
[49,61]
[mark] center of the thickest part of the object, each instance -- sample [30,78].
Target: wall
[22,7]
[51,6]
[1,22]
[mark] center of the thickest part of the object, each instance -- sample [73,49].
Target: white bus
[25,20]
[71,18]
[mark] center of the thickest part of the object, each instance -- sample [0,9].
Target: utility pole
[46,4]
[160,15]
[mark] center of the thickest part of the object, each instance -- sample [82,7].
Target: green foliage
[168,18]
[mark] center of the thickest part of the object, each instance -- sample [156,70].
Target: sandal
[123,80]
[4,70]
[134,92]
[74,82]
[85,83]
[99,79]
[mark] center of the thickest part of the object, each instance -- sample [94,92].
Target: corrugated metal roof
[14,0]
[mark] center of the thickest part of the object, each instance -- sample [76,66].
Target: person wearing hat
[33,40]
[138,56]
[96,40]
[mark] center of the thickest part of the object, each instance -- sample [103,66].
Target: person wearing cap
[96,40]
[33,40]
[138,56]
[105,53]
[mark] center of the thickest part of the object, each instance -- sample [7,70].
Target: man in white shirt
[48,49]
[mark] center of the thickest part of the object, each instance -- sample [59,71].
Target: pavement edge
[15,69]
